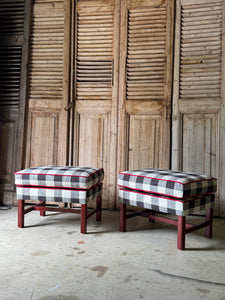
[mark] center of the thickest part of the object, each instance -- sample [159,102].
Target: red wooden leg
[99,209]
[122,217]
[209,217]
[42,213]
[152,212]
[181,232]
[20,213]
[83,222]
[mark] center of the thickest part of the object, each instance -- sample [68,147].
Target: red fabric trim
[167,179]
[177,199]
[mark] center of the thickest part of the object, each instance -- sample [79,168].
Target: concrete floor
[50,259]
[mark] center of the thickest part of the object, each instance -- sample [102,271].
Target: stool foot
[209,218]
[152,213]
[122,217]
[83,222]
[42,213]
[21,213]
[181,232]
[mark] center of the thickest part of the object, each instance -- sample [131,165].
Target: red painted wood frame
[83,211]
[183,228]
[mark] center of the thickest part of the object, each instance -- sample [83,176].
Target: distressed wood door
[14,34]
[95,88]
[48,93]
[145,84]
[198,98]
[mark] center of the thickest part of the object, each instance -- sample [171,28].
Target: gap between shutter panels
[201,50]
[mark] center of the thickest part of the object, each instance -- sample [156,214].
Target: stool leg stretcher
[42,208]
[183,228]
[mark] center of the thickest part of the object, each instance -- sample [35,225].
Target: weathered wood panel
[198,97]
[145,141]
[42,148]
[93,136]
[199,143]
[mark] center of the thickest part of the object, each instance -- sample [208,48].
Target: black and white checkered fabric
[60,176]
[58,194]
[167,182]
[175,206]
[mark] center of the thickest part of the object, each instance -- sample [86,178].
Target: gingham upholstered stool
[59,184]
[172,192]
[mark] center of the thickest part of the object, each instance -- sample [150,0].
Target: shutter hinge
[69,106]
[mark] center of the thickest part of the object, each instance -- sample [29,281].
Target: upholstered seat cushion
[165,204]
[60,176]
[167,182]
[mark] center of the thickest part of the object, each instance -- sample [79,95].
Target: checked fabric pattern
[167,182]
[60,176]
[58,194]
[173,206]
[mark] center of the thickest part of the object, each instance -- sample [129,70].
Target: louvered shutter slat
[46,52]
[11,25]
[94,55]
[146,53]
[201,50]
[11,17]
[10,65]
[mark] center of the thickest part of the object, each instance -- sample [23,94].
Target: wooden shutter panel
[14,31]
[11,34]
[94,55]
[201,49]
[146,53]
[198,97]
[48,83]
[46,52]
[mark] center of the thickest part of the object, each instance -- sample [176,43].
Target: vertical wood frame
[24,86]
[199,110]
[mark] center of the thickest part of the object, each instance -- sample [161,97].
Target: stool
[59,184]
[171,192]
